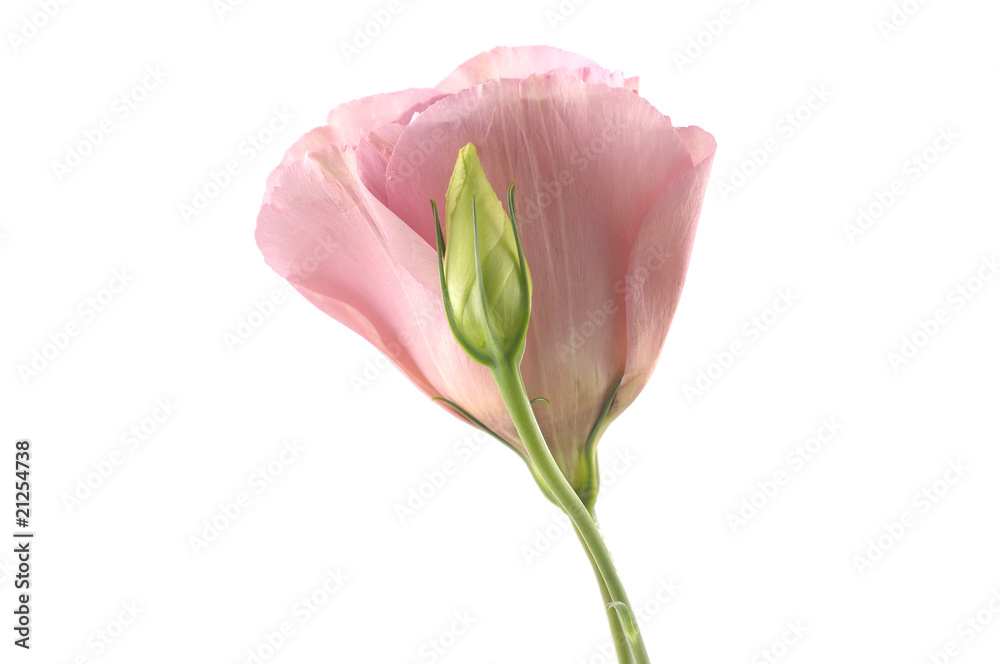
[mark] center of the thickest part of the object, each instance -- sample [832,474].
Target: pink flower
[608,197]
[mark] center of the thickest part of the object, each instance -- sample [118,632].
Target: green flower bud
[484,280]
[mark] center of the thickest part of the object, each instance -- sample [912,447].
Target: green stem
[508,379]
[617,633]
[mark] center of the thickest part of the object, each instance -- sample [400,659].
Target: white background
[476,544]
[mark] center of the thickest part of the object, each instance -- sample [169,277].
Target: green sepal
[588,473]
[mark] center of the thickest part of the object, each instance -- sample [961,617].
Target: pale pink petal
[658,264]
[350,121]
[315,139]
[523,61]
[373,154]
[588,160]
[346,253]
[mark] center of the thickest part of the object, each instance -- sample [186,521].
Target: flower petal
[373,155]
[658,265]
[315,139]
[523,61]
[588,160]
[348,123]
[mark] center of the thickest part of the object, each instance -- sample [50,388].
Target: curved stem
[617,633]
[508,379]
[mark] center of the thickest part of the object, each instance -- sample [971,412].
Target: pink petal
[523,61]
[350,121]
[589,160]
[373,155]
[658,264]
[315,139]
